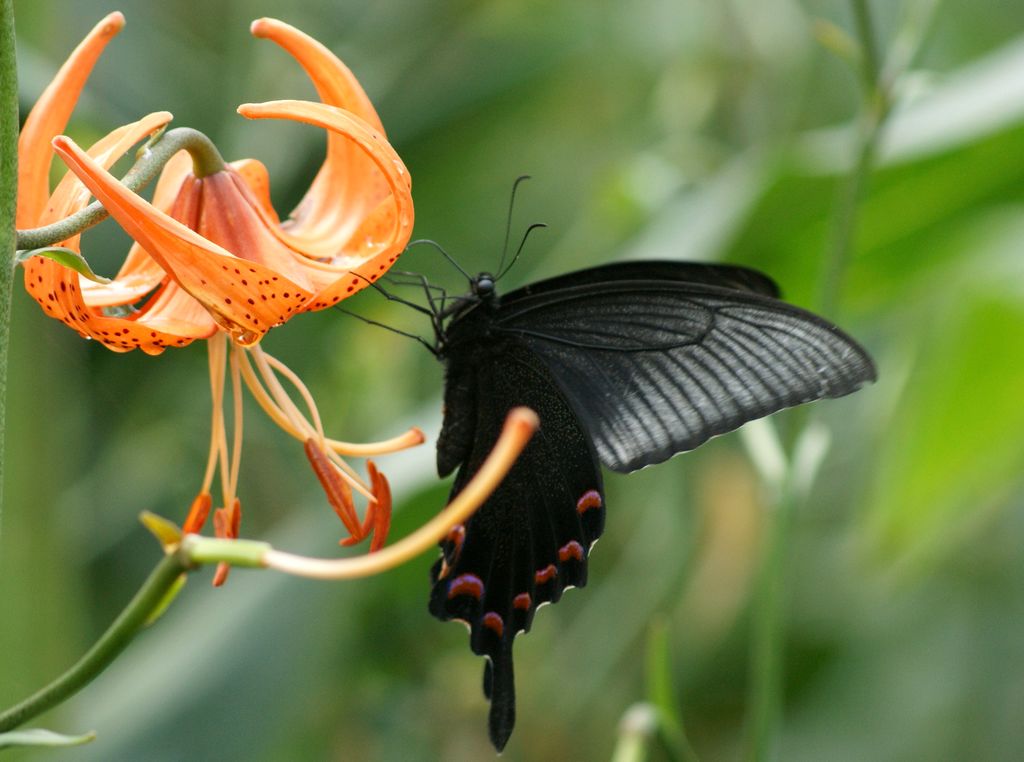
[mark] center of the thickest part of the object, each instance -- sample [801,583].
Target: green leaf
[166,531]
[66,257]
[41,737]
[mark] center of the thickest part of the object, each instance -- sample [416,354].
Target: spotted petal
[59,289]
[245,298]
[380,234]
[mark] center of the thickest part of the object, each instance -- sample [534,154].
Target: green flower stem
[145,607]
[8,197]
[153,156]
[209,550]
[150,599]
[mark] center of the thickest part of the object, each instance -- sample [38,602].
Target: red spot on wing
[523,601]
[571,550]
[456,537]
[590,499]
[545,575]
[466,584]
[494,622]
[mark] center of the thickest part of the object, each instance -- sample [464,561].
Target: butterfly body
[625,365]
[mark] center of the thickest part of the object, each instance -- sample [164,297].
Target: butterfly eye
[483,284]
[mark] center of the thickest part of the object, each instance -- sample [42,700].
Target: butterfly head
[483,286]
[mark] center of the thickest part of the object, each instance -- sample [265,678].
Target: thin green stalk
[844,226]
[767,678]
[866,36]
[148,602]
[766,689]
[205,157]
[8,198]
[876,109]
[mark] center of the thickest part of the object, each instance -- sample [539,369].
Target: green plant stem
[869,51]
[205,158]
[876,108]
[8,199]
[767,681]
[766,688]
[148,601]
[844,226]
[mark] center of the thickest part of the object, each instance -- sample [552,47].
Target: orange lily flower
[211,259]
[353,223]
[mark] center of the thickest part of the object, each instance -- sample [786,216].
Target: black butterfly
[626,364]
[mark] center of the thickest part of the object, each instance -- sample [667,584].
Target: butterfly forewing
[721,276]
[530,539]
[657,367]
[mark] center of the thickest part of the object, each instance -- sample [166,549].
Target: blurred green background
[659,128]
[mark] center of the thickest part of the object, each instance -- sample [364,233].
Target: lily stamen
[411,438]
[339,494]
[197,514]
[226,524]
[287,407]
[236,444]
[381,509]
[215,355]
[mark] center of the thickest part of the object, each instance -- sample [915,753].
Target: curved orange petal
[70,195]
[49,116]
[334,81]
[229,216]
[140,273]
[57,288]
[245,298]
[257,178]
[174,312]
[347,187]
[376,237]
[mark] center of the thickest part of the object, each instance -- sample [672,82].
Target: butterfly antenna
[385,326]
[519,251]
[508,221]
[444,253]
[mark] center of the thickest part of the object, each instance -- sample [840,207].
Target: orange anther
[226,523]
[197,514]
[382,508]
[339,494]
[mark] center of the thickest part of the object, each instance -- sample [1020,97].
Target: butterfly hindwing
[530,539]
